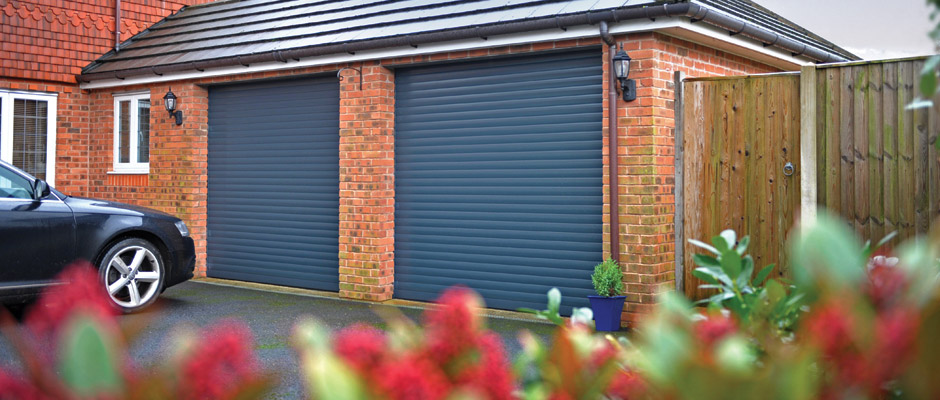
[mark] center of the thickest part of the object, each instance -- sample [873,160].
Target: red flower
[362,346]
[221,362]
[14,388]
[896,339]
[831,329]
[490,375]
[602,355]
[886,283]
[560,396]
[412,378]
[452,328]
[714,328]
[80,292]
[626,385]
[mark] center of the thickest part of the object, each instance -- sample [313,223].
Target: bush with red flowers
[861,328]
[849,326]
[451,355]
[72,347]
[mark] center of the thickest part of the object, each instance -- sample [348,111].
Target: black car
[138,252]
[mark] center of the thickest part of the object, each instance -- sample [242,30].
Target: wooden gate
[737,136]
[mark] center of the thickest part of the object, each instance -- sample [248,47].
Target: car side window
[14,186]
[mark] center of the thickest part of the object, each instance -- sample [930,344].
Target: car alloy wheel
[132,271]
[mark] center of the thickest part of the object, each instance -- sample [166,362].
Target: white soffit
[678,27]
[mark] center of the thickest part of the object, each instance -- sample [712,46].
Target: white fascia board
[712,36]
[678,27]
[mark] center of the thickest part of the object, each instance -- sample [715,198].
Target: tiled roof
[244,31]
[751,11]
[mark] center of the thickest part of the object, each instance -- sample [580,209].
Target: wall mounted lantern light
[170,102]
[622,70]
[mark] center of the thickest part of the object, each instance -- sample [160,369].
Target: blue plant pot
[607,312]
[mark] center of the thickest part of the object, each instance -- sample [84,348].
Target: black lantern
[621,67]
[170,102]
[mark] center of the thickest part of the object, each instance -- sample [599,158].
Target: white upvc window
[28,131]
[132,133]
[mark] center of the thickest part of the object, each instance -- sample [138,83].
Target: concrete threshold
[421,305]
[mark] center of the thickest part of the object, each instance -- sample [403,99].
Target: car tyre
[132,271]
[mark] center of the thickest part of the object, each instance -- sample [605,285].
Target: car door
[37,237]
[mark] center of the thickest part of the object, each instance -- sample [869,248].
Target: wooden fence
[876,165]
[855,148]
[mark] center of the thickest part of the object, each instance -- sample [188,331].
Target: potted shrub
[608,304]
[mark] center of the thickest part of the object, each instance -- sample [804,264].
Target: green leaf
[705,261]
[718,274]
[89,357]
[704,245]
[928,77]
[554,300]
[720,297]
[763,274]
[919,103]
[704,275]
[828,252]
[742,246]
[744,279]
[775,291]
[730,237]
[731,263]
[928,84]
[715,286]
[885,240]
[735,355]
[721,244]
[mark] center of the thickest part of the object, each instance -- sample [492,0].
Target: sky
[872,29]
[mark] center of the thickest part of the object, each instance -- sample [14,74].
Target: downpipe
[612,144]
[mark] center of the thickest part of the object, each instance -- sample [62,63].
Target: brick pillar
[646,170]
[178,160]
[367,184]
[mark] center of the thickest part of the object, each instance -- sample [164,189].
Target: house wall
[177,181]
[51,40]
[43,46]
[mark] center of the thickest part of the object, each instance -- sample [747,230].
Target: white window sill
[130,172]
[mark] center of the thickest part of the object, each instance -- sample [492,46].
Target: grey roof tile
[227,29]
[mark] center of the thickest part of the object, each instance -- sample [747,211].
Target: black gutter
[693,11]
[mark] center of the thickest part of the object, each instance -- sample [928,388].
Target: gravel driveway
[270,312]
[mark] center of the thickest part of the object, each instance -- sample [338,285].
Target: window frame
[132,166]
[7,98]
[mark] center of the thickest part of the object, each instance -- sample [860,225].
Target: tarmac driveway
[270,312]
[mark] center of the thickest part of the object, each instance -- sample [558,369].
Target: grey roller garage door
[498,178]
[273,198]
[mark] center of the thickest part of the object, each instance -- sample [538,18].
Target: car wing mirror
[40,189]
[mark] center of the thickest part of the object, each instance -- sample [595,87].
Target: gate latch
[788,169]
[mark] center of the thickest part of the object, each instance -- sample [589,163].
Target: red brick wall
[51,40]
[367,183]
[72,128]
[177,182]
[178,156]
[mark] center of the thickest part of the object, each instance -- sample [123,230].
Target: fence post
[679,193]
[808,186]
